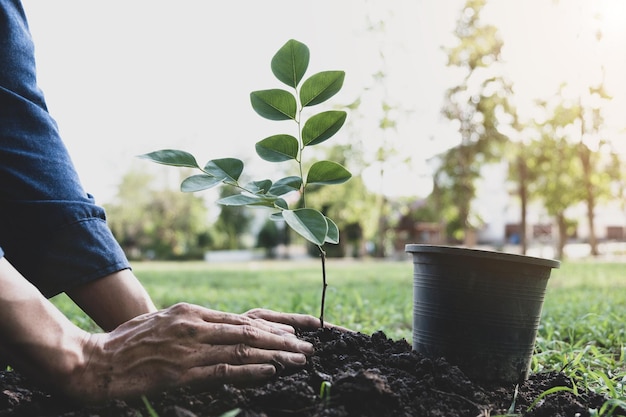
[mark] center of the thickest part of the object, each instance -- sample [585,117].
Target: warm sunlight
[128,82]
[612,16]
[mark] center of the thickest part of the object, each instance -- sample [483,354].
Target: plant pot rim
[481,253]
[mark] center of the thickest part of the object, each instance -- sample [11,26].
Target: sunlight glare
[612,15]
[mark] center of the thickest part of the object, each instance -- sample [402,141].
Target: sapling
[325,387]
[289,66]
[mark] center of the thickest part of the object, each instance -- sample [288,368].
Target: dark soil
[369,376]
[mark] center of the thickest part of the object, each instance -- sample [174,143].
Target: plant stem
[300,151]
[324,285]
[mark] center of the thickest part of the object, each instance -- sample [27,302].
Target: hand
[187,345]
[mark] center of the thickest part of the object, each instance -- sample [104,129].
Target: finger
[278,328]
[227,334]
[220,328]
[242,354]
[242,319]
[225,373]
[299,321]
[187,316]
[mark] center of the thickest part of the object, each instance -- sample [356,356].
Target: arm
[182,345]
[112,300]
[36,337]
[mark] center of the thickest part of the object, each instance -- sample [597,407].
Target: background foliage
[560,159]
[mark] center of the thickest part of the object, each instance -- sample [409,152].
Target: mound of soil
[368,375]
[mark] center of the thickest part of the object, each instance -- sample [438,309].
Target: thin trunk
[585,158]
[469,233]
[441,236]
[382,228]
[593,241]
[523,195]
[562,236]
[463,219]
[381,203]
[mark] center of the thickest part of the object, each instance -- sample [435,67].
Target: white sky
[128,77]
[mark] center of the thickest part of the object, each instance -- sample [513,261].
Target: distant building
[498,208]
[497,212]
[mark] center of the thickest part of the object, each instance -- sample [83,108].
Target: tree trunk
[523,195]
[593,241]
[465,200]
[470,237]
[379,250]
[585,159]
[562,236]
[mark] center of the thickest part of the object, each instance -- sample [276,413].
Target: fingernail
[306,347]
[268,370]
[296,358]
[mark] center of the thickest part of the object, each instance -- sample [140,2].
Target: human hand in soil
[185,345]
[181,345]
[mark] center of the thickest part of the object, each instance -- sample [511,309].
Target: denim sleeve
[51,230]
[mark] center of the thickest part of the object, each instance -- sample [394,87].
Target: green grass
[582,329]
[366,296]
[583,325]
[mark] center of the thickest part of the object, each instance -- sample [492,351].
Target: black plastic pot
[478,309]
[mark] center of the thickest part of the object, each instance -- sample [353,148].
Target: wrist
[38,340]
[79,373]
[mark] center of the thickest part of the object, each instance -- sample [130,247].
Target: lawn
[582,330]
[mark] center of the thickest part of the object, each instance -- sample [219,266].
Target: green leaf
[278,148]
[320,87]
[308,223]
[280,203]
[548,392]
[332,235]
[172,157]
[232,413]
[322,126]
[286,185]
[199,182]
[290,62]
[259,187]
[274,104]
[151,411]
[327,172]
[246,200]
[277,217]
[226,169]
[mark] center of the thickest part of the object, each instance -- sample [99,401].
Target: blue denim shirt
[51,230]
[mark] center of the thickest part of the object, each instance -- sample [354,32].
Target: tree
[552,160]
[572,161]
[269,237]
[149,221]
[478,105]
[596,176]
[522,176]
[595,162]
[231,224]
[386,152]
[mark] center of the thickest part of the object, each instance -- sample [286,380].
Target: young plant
[289,66]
